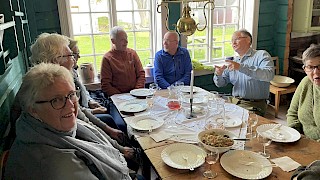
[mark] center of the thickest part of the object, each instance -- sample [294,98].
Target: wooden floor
[281,115]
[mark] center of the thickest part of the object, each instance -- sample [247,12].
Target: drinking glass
[265,141]
[252,122]
[173,103]
[211,158]
[153,87]
[150,102]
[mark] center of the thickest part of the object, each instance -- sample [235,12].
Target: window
[214,43]
[93,19]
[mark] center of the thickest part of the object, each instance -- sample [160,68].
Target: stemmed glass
[265,141]
[252,122]
[153,87]
[211,158]
[150,102]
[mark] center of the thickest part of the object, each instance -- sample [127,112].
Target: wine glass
[252,122]
[265,140]
[153,87]
[211,158]
[150,102]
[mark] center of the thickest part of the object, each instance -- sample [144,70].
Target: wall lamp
[186,25]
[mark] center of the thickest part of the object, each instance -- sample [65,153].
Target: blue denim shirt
[252,80]
[169,69]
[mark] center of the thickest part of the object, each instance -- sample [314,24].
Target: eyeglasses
[310,68]
[238,39]
[60,101]
[67,56]
[76,55]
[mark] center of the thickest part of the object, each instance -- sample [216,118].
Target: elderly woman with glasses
[303,113]
[53,48]
[51,142]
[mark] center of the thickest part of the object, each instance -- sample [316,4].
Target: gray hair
[37,78]
[312,52]
[114,32]
[72,43]
[47,48]
[246,33]
[175,33]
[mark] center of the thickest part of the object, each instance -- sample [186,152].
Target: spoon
[185,157]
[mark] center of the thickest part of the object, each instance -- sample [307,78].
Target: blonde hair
[47,48]
[39,77]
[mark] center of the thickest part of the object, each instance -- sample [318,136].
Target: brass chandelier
[186,25]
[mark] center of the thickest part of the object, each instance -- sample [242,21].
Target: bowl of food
[216,138]
[281,81]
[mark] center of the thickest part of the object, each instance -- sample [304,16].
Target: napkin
[160,136]
[126,97]
[286,163]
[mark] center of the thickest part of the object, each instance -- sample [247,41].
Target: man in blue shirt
[172,63]
[250,73]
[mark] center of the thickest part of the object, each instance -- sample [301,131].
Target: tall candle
[191,85]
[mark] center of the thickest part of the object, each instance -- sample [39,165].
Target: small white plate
[281,134]
[172,156]
[145,123]
[246,164]
[143,92]
[133,106]
[187,89]
[232,122]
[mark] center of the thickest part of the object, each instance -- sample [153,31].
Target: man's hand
[128,152]
[219,69]
[99,110]
[232,65]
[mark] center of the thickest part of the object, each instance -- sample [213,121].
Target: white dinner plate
[133,106]
[145,123]
[187,89]
[172,156]
[143,92]
[279,133]
[246,164]
[232,122]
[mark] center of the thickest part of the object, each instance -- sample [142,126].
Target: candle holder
[191,115]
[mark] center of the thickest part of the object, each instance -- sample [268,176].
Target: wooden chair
[3,161]
[278,91]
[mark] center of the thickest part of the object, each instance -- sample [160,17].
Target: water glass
[211,158]
[150,102]
[153,87]
[265,141]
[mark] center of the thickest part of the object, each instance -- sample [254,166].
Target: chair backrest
[276,64]
[3,161]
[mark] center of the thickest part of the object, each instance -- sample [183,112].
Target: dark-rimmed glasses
[60,101]
[310,68]
[67,56]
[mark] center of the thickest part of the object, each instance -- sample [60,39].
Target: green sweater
[303,113]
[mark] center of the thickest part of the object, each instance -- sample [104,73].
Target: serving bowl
[281,81]
[203,139]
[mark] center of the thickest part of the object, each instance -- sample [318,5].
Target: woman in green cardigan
[303,113]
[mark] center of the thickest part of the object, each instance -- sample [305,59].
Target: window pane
[124,19]
[232,15]
[141,4]
[123,5]
[142,20]
[217,50]
[102,43]
[142,40]
[99,5]
[84,44]
[144,57]
[130,40]
[81,23]
[98,63]
[79,6]
[100,22]
[232,2]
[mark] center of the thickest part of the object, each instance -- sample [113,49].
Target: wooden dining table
[303,151]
